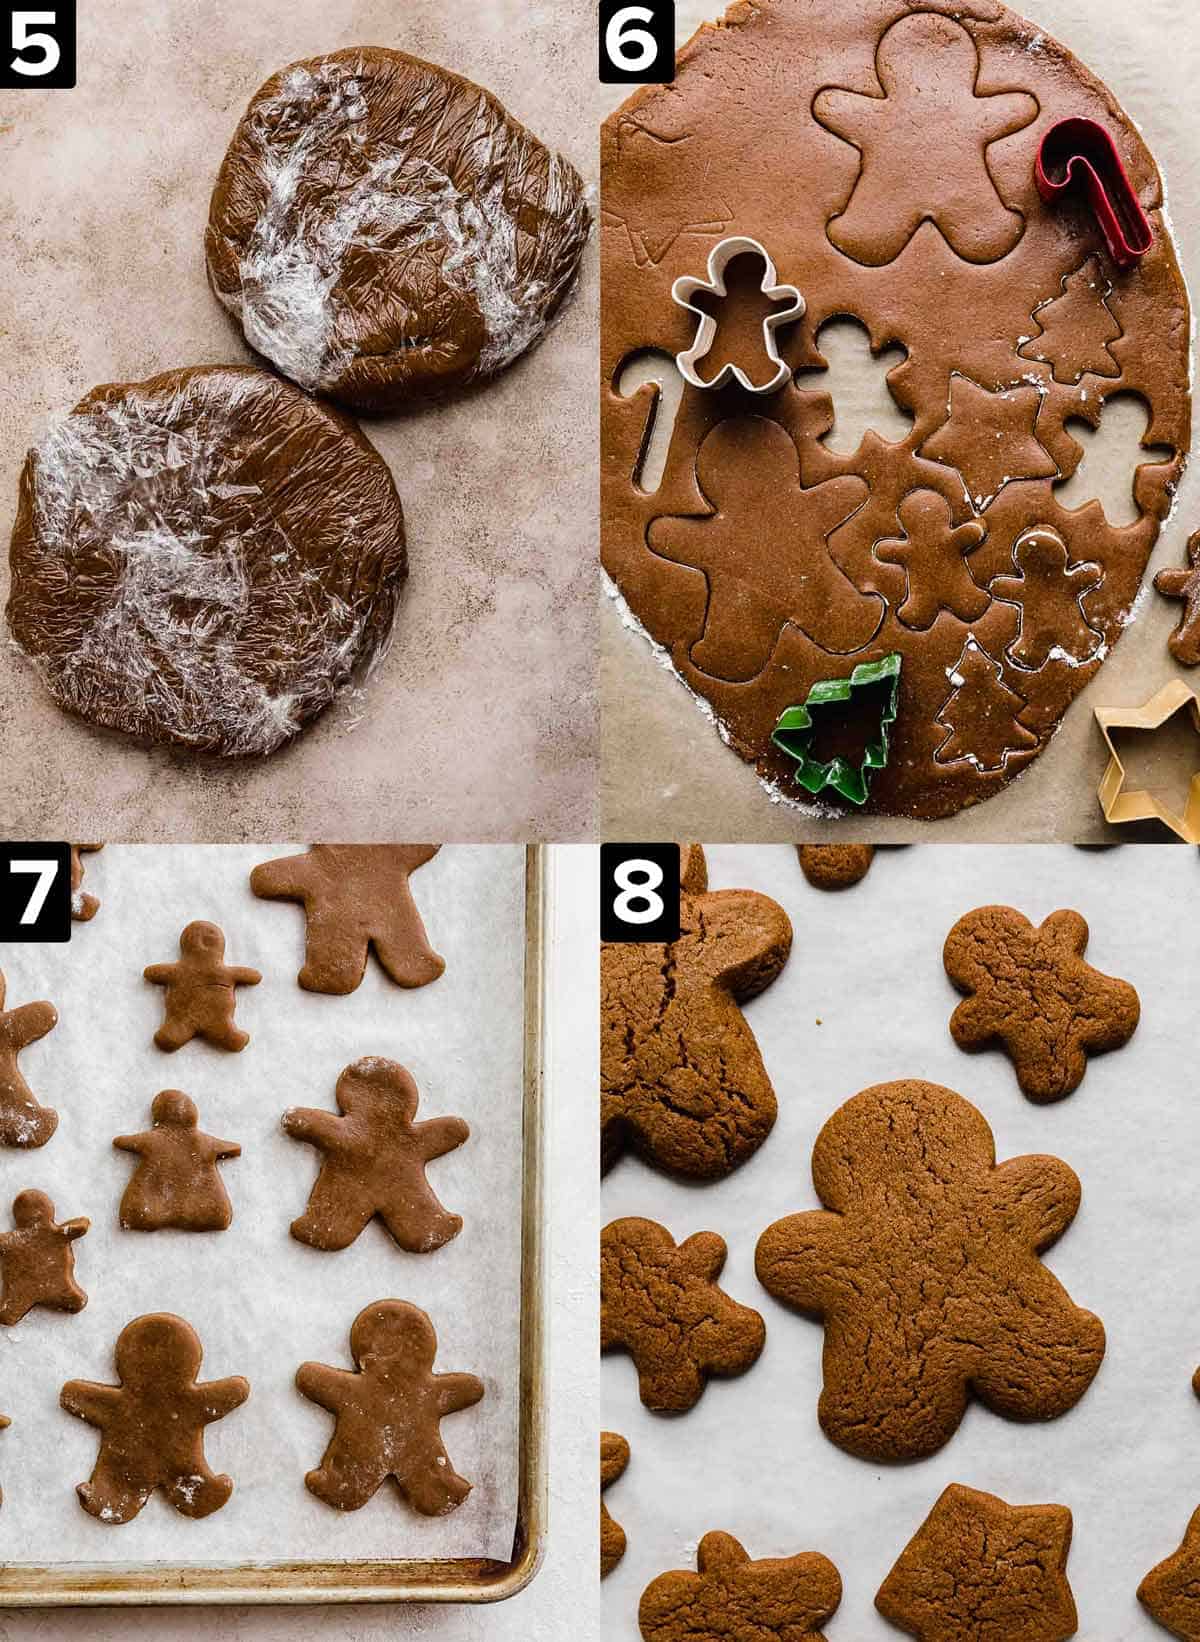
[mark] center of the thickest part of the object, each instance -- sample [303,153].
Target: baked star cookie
[979,1569]
[883,155]
[681,1077]
[730,1597]
[924,1267]
[1031,991]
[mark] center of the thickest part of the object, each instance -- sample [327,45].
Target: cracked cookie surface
[978,1568]
[924,1268]
[682,1080]
[734,1599]
[662,1305]
[1031,991]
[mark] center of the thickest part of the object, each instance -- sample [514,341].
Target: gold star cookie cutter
[687,288]
[1140,804]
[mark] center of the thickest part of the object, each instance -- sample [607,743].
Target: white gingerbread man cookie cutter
[688,287]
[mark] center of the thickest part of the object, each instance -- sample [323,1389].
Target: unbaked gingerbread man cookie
[1031,991]
[357,899]
[661,1303]
[614,1457]
[84,905]
[152,1424]
[37,1262]
[776,1599]
[682,1080]
[924,1267]
[374,1161]
[22,1121]
[201,999]
[176,1182]
[388,1409]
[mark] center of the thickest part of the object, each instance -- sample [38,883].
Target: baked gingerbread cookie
[152,1423]
[373,1159]
[84,905]
[978,1569]
[176,1182]
[388,1410]
[614,1457]
[923,1266]
[1031,991]
[201,999]
[357,899]
[775,554]
[661,1303]
[37,1262]
[1170,1592]
[835,866]
[23,1122]
[682,1081]
[730,1597]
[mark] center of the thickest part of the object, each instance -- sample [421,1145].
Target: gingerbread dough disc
[206,558]
[384,232]
[884,157]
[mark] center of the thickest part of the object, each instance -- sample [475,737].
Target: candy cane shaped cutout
[659,368]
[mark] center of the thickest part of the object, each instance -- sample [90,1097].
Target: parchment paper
[261,1302]
[750,1457]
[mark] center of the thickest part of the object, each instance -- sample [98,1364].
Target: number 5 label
[35,892]
[639,892]
[37,45]
[637,42]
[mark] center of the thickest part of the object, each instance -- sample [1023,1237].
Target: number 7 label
[35,892]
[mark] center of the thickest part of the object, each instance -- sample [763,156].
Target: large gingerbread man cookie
[373,1161]
[388,1410]
[682,1080]
[356,899]
[883,154]
[924,1268]
[152,1424]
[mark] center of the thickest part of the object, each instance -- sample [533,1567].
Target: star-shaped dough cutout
[977,1567]
[1121,805]
[1184,642]
[990,437]
[933,555]
[644,191]
[1170,1592]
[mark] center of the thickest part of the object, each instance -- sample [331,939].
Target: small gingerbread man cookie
[614,1457]
[152,1424]
[84,905]
[374,1162]
[176,1181]
[356,899]
[388,1409]
[37,1263]
[777,1599]
[22,1121]
[662,1305]
[1031,991]
[200,997]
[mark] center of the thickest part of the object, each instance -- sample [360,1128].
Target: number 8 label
[639,889]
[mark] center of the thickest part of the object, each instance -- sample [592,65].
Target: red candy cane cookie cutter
[1078,153]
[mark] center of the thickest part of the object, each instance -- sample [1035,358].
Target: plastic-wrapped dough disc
[206,558]
[385,232]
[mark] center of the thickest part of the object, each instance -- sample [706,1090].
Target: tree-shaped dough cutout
[980,715]
[1076,327]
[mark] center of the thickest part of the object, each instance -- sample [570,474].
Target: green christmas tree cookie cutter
[793,733]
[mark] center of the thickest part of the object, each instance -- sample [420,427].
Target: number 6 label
[637,42]
[37,45]
[639,892]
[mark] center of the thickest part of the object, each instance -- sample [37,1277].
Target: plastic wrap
[206,558]
[384,231]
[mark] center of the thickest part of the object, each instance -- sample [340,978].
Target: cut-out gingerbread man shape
[682,1080]
[933,555]
[176,1182]
[22,1121]
[388,1410]
[37,1262]
[84,905]
[1032,992]
[1047,589]
[614,1457]
[775,1599]
[152,1424]
[1184,584]
[790,577]
[201,996]
[978,1567]
[662,1304]
[374,1162]
[356,899]
[924,145]
[924,1268]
